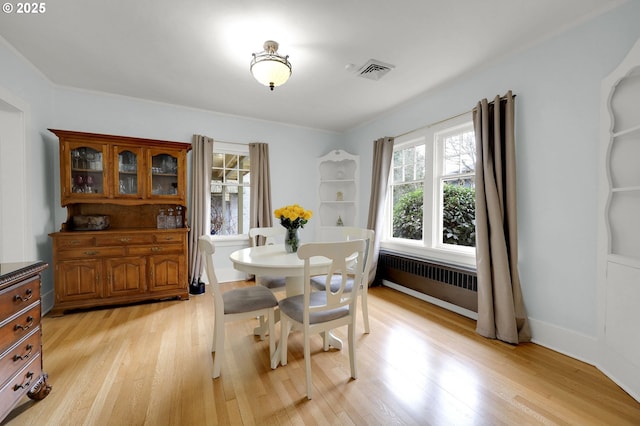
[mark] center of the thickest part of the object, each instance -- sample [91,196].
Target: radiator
[453,284]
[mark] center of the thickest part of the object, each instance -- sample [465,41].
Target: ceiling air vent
[374,69]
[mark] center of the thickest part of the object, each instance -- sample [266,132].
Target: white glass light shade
[269,68]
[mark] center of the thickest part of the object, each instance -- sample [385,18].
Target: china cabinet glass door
[129,182]
[87,170]
[165,168]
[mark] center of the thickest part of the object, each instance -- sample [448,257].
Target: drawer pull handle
[24,327]
[168,238]
[90,253]
[156,249]
[28,376]
[25,356]
[74,242]
[19,298]
[125,240]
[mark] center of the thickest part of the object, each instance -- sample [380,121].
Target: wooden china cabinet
[110,250]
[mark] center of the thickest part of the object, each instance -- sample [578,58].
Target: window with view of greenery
[407,192]
[230,193]
[432,189]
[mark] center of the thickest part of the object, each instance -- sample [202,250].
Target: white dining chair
[236,304]
[322,311]
[319,282]
[271,235]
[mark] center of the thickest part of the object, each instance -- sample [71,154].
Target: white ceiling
[196,53]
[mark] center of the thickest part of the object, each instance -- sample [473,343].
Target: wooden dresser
[20,335]
[110,250]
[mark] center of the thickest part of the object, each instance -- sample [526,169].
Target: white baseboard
[567,342]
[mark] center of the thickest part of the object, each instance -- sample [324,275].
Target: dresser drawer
[20,354]
[126,239]
[20,384]
[171,238]
[90,252]
[18,297]
[72,241]
[16,328]
[155,250]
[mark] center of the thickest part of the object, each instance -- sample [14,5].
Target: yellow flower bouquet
[292,217]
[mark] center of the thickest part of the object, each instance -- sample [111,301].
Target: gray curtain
[501,310]
[201,158]
[382,156]
[261,214]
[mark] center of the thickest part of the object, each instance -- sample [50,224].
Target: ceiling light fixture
[270,68]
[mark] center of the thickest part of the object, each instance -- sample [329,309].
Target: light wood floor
[150,364]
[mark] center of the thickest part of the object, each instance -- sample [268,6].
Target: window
[431,202]
[230,192]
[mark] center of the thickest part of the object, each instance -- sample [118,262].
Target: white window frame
[431,245]
[234,149]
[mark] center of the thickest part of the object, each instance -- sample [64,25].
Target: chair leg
[284,337]
[352,349]
[262,329]
[307,362]
[365,311]
[218,345]
[272,339]
[325,340]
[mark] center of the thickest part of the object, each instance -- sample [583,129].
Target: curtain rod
[230,143]
[441,121]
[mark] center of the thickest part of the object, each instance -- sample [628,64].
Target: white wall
[557,84]
[29,94]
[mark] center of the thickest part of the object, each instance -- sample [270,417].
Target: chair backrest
[270,235]
[341,254]
[207,249]
[368,236]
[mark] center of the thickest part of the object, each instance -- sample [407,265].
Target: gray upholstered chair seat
[273,283]
[248,299]
[319,283]
[294,307]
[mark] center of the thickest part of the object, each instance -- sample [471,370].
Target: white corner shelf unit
[619,225]
[337,193]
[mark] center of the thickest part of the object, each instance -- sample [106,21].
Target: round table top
[274,260]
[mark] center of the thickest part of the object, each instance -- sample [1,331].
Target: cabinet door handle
[24,385]
[18,298]
[28,325]
[25,356]
[90,253]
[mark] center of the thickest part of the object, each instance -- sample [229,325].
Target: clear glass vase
[292,240]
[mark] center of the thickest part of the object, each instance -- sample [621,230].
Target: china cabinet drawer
[74,241]
[19,326]
[124,239]
[155,250]
[91,252]
[20,354]
[16,299]
[171,238]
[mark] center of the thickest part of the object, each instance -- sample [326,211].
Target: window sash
[433,139]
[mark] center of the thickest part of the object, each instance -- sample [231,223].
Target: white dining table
[273,260]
